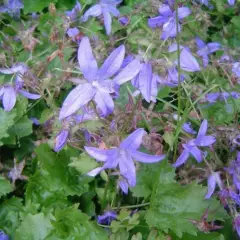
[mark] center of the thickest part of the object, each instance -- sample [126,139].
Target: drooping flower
[3,236]
[147,82]
[105,8]
[99,86]
[107,218]
[205,49]
[188,62]
[75,34]
[73,14]
[236,68]
[187,127]
[122,157]
[231,2]
[213,180]
[221,96]
[236,224]
[16,172]
[191,147]
[13,8]
[124,21]
[167,19]
[8,93]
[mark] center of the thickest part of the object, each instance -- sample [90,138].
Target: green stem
[133,206]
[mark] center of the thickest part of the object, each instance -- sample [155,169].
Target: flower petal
[182,158]
[188,62]
[78,97]
[213,47]
[134,140]
[29,95]
[156,21]
[183,12]
[61,140]
[104,102]
[113,63]
[113,10]
[127,168]
[86,60]
[204,141]
[16,68]
[211,186]
[145,81]
[144,157]
[197,154]
[165,10]
[129,72]
[93,11]
[101,154]
[107,21]
[187,127]
[123,185]
[203,128]
[95,171]
[9,98]
[200,43]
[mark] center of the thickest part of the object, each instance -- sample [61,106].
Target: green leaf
[51,184]
[84,163]
[22,128]
[71,223]
[35,6]
[34,227]
[177,204]
[5,186]
[6,121]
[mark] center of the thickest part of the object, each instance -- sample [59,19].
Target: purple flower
[12,7]
[73,14]
[205,49]
[167,19]
[3,236]
[213,97]
[124,20]
[191,148]
[61,140]
[188,62]
[105,8]
[107,218]
[187,127]
[123,184]
[8,93]
[147,82]
[99,86]
[123,157]
[236,224]
[236,69]
[213,180]
[171,79]
[74,33]
[231,2]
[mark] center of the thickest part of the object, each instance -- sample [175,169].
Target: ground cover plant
[119,119]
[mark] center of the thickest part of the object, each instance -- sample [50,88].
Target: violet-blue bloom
[188,62]
[13,8]
[167,19]
[123,184]
[236,69]
[221,96]
[205,49]
[99,86]
[236,224]
[8,93]
[3,236]
[123,157]
[147,82]
[124,20]
[107,218]
[74,33]
[191,147]
[231,2]
[213,180]
[105,8]
[187,127]
[73,14]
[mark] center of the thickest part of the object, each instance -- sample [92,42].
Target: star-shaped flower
[99,86]
[191,147]
[123,156]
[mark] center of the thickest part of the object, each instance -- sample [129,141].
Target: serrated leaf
[6,121]
[34,227]
[5,186]
[22,127]
[35,6]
